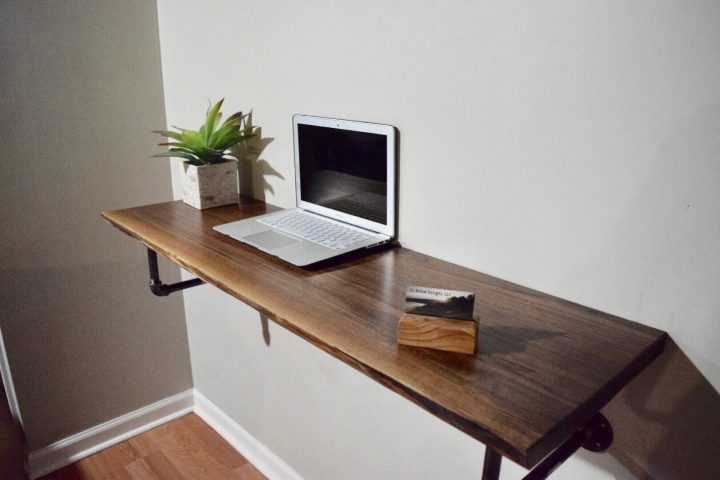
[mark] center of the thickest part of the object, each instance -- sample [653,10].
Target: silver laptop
[345,193]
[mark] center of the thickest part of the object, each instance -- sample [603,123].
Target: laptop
[345,193]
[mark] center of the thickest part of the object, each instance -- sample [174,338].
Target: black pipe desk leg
[596,436]
[153,266]
[491,465]
[157,286]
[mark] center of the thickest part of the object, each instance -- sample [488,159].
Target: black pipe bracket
[596,436]
[157,286]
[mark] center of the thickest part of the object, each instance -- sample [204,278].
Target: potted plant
[209,170]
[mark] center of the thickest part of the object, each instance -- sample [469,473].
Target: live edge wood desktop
[543,367]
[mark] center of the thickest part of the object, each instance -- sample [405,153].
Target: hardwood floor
[184,449]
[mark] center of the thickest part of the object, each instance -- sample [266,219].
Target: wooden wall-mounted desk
[543,368]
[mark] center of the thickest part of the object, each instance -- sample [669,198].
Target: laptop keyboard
[316,229]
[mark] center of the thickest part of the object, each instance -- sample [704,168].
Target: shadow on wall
[253,170]
[265,324]
[667,421]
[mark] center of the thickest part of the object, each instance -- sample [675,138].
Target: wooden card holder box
[447,334]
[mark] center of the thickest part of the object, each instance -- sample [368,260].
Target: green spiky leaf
[169,134]
[177,153]
[211,118]
[211,142]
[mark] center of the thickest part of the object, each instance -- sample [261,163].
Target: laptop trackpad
[269,240]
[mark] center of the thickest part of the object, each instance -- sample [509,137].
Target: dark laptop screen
[344,170]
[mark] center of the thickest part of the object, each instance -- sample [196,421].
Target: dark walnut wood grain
[543,366]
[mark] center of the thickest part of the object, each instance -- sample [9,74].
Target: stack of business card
[439,319]
[436,302]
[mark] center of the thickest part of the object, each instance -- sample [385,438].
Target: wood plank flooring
[183,449]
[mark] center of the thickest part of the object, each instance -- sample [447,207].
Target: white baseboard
[78,446]
[83,444]
[255,452]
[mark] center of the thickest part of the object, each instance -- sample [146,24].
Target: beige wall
[81,90]
[568,146]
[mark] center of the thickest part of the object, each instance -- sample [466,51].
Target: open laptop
[345,193]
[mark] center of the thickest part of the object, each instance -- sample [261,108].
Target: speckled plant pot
[210,186]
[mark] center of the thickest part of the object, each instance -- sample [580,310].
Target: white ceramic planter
[210,186]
